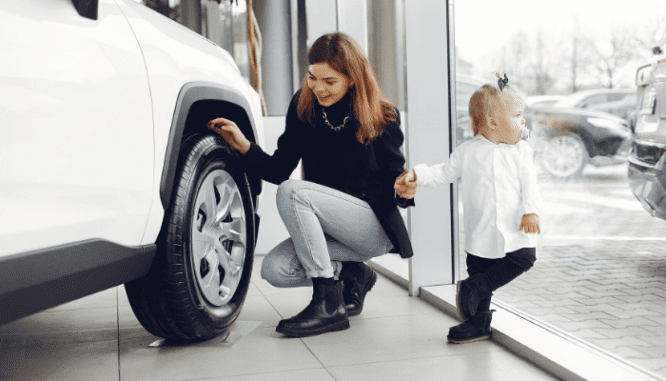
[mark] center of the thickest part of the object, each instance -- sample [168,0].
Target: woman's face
[328,85]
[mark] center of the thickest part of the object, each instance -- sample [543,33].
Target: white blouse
[499,186]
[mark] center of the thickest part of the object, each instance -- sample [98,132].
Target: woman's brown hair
[372,109]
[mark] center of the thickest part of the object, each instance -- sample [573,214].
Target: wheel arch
[199,102]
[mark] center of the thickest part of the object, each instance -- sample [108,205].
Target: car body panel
[647,158]
[74,166]
[174,58]
[92,265]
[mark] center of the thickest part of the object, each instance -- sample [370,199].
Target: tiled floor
[612,294]
[397,337]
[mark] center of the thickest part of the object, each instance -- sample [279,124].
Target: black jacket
[371,169]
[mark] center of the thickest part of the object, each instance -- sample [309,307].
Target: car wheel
[201,272]
[564,156]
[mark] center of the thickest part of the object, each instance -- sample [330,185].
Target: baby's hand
[405,184]
[530,224]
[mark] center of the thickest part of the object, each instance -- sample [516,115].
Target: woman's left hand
[405,184]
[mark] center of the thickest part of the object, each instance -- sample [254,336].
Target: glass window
[224,23]
[169,8]
[599,273]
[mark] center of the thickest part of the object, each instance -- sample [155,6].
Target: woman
[345,210]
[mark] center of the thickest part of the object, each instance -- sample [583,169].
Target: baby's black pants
[500,271]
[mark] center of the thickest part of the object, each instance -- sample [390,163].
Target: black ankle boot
[470,292]
[358,278]
[326,312]
[475,329]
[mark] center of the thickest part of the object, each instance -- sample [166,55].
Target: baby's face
[510,120]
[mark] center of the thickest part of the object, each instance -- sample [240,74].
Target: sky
[485,25]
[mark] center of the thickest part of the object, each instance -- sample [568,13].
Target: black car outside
[647,157]
[619,102]
[570,138]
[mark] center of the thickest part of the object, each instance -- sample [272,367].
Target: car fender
[186,122]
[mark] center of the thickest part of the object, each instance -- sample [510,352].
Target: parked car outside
[109,175]
[618,102]
[647,157]
[626,108]
[567,139]
[538,101]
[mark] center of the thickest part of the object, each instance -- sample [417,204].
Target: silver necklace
[335,128]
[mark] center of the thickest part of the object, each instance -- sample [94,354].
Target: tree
[577,58]
[540,63]
[652,33]
[619,51]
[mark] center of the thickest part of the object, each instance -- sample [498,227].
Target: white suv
[108,175]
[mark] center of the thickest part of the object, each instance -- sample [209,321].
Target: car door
[76,139]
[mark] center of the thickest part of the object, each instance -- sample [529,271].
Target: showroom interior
[592,308]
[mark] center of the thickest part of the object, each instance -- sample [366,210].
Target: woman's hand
[530,224]
[405,184]
[230,132]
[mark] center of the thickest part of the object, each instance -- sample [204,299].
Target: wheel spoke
[234,230]
[210,282]
[201,245]
[210,204]
[225,190]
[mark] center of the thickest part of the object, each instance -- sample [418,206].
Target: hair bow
[501,83]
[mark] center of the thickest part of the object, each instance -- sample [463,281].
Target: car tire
[201,273]
[564,156]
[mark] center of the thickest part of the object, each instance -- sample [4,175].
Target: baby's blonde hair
[485,103]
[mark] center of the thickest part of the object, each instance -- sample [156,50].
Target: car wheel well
[202,111]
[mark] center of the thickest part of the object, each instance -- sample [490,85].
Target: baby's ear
[491,123]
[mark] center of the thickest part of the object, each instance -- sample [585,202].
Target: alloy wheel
[219,237]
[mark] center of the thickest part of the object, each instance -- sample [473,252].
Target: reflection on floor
[397,337]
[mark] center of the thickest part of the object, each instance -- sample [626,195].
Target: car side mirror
[87,8]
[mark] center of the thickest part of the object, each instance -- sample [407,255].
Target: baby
[500,203]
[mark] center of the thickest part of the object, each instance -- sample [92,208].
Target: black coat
[371,169]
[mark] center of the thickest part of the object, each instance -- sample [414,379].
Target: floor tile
[261,351]
[391,338]
[258,308]
[63,326]
[385,305]
[486,366]
[292,375]
[55,361]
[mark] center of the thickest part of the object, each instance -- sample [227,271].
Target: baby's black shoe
[470,292]
[477,328]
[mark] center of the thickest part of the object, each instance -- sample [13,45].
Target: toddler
[500,201]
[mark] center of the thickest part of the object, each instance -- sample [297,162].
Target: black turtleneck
[333,157]
[327,155]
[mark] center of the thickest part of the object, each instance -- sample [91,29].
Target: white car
[108,175]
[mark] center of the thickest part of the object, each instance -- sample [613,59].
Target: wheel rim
[219,237]
[563,156]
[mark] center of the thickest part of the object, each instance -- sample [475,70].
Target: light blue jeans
[326,227]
